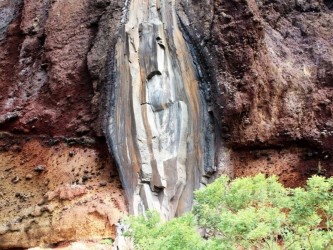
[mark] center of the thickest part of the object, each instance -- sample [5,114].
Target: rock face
[270,68]
[262,69]
[46,87]
[158,127]
[56,193]
[57,181]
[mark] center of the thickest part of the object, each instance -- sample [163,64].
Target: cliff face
[57,180]
[263,67]
[45,82]
[270,67]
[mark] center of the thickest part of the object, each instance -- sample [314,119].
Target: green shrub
[246,213]
[177,234]
[106,241]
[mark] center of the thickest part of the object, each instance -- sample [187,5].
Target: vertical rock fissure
[157,123]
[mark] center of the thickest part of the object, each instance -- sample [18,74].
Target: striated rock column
[158,121]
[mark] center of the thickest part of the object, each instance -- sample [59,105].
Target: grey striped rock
[157,124]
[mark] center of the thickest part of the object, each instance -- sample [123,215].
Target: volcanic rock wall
[52,193]
[264,68]
[269,65]
[57,180]
[158,126]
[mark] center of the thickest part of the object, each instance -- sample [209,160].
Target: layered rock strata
[158,128]
[266,68]
[57,180]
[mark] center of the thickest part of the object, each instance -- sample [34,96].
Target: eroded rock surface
[46,86]
[269,64]
[158,128]
[76,196]
[264,68]
[57,182]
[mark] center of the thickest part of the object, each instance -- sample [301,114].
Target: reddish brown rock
[46,90]
[269,65]
[46,87]
[266,72]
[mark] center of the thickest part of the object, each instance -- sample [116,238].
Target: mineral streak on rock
[8,11]
[158,126]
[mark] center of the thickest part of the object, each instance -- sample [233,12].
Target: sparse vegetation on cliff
[246,213]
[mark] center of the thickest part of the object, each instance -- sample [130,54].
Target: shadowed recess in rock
[158,121]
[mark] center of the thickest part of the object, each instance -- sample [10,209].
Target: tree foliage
[246,213]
